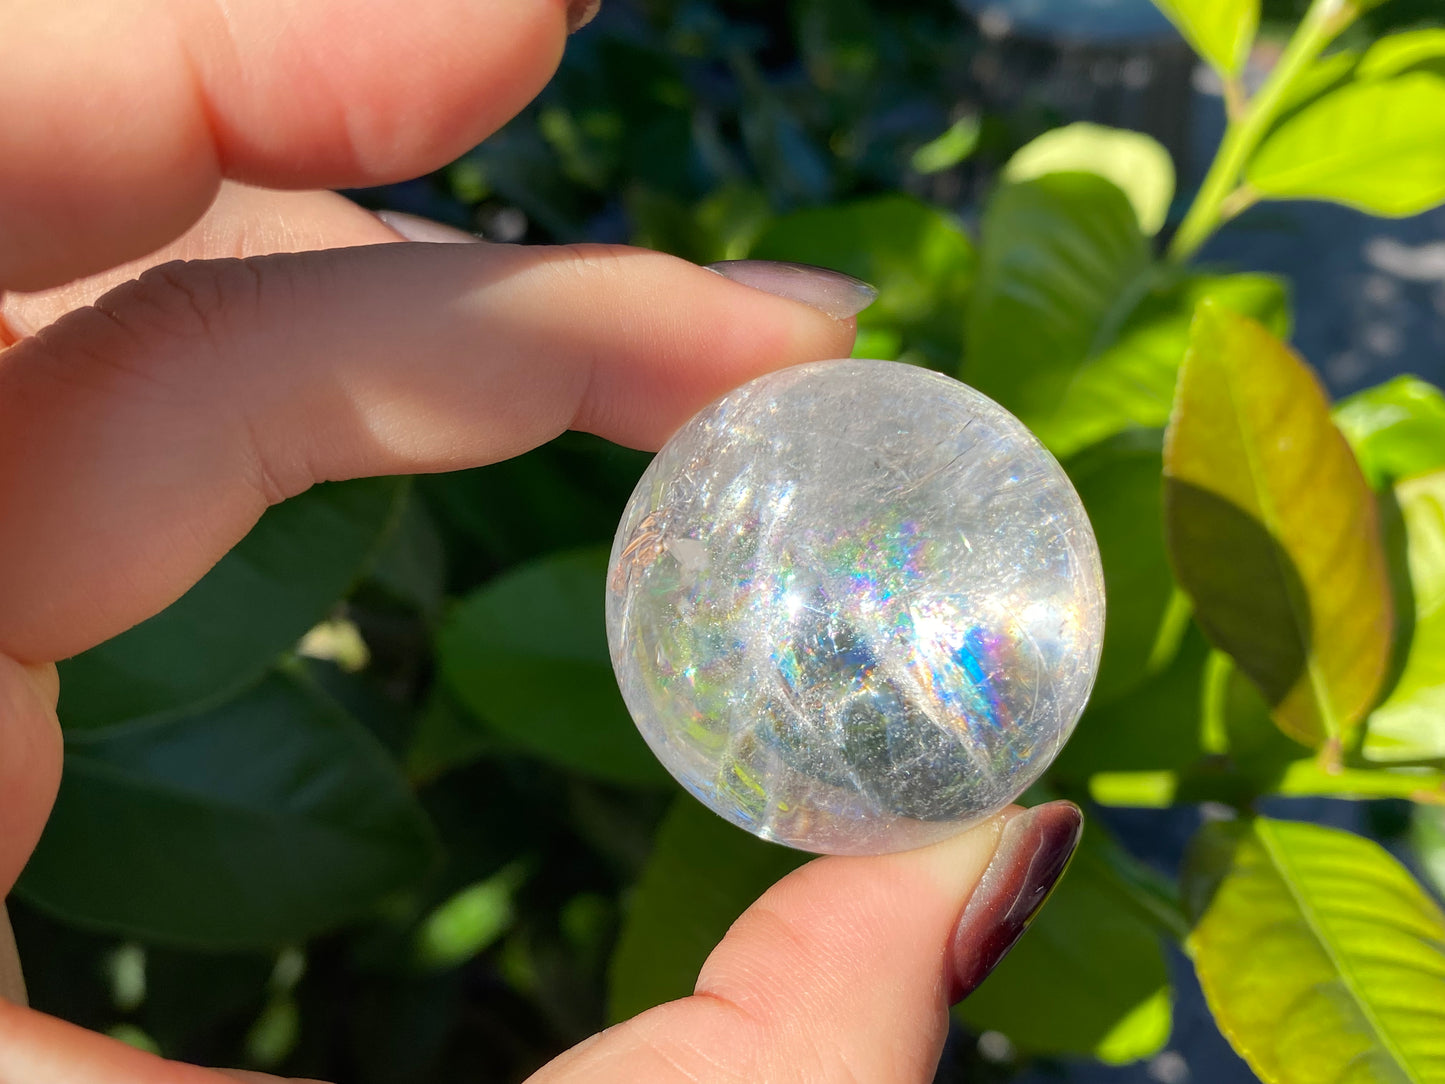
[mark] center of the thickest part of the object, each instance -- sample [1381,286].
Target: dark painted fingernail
[580,13]
[1033,851]
[831,292]
[416,228]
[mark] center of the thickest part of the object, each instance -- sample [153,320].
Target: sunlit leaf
[1135,790]
[945,151]
[1088,978]
[1130,381]
[1261,760]
[228,629]
[469,921]
[1322,960]
[1427,835]
[1396,428]
[1397,53]
[1273,531]
[918,257]
[1221,31]
[1372,143]
[261,822]
[1410,724]
[527,655]
[1062,264]
[702,875]
[1137,163]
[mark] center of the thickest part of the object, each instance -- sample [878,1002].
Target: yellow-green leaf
[1397,53]
[1137,163]
[1375,144]
[1321,958]
[1410,724]
[1272,528]
[1221,31]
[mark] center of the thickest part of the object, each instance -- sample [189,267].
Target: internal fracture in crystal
[855,607]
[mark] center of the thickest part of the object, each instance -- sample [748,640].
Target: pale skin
[143,431]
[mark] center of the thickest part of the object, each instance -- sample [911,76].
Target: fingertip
[709,336]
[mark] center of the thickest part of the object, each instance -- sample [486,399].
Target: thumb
[844,970]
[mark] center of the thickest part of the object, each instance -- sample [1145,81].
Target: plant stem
[1322,24]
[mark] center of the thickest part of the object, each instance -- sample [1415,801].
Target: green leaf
[1264,761]
[1427,836]
[1118,481]
[1130,382]
[1135,162]
[702,875]
[261,822]
[1397,429]
[1154,727]
[918,257]
[228,629]
[1061,266]
[945,151]
[527,654]
[1221,31]
[1322,959]
[1395,54]
[1372,143]
[1088,978]
[411,565]
[1410,724]
[1273,530]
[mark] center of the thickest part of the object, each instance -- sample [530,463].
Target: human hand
[144,430]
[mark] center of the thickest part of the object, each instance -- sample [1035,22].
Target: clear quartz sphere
[855,606]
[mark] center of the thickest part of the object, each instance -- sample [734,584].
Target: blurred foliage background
[365,805]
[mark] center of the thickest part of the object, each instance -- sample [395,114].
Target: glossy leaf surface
[1062,264]
[1322,959]
[263,821]
[1273,531]
[527,655]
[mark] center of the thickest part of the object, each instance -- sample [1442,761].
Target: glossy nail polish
[832,292]
[580,13]
[1034,849]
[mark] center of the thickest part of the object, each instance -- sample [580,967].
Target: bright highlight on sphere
[855,607]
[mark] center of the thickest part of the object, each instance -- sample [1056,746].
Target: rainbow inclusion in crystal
[855,607]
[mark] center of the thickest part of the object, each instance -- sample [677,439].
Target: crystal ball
[855,606]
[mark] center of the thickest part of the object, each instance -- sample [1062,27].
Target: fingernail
[831,292]
[1033,851]
[580,13]
[416,228]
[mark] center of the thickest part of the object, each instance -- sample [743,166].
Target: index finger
[118,121]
